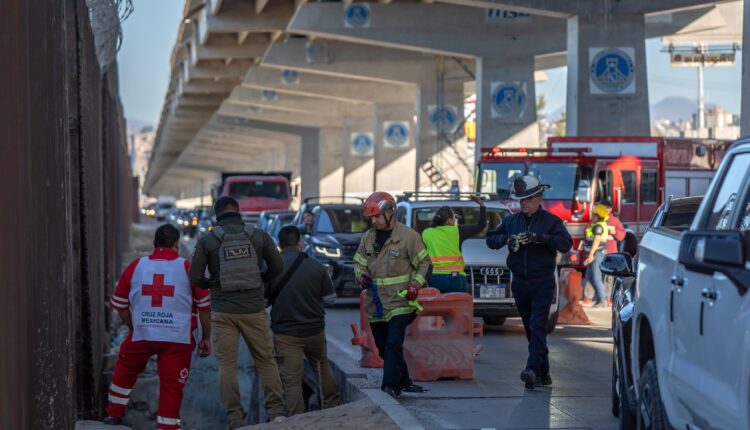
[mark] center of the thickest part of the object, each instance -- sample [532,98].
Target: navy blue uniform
[533,268]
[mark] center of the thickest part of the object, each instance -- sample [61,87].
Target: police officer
[391,264]
[534,237]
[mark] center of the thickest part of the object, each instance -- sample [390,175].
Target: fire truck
[633,174]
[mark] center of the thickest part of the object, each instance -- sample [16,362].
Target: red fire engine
[634,174]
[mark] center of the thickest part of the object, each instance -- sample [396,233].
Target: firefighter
[157,302]
[443,240]
[595,245]
[534,237]
[391,265]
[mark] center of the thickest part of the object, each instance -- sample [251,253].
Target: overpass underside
[353,97]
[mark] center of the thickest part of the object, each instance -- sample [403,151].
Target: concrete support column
[506,103]
[433,152]
[331,161]
[745,106]
[607,82]
[359,170]
[395,148]
[310,165]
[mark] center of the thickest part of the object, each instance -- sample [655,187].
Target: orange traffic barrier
[364,338]
[572,313]
[440,343]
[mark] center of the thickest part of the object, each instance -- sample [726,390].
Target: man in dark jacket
[298,322]
[235,254]
[534,237]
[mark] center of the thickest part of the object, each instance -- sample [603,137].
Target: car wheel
[651,413]
[615,382]
[494,320]
[627,420]
[552,322]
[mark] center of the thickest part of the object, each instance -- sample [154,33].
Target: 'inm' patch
[236,252]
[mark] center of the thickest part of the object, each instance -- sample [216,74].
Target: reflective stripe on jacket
[402,260]
[443,246]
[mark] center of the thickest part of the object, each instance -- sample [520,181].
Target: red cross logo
[157,291]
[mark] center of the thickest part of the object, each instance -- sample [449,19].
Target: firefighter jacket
[402,260]
[534,262]
[594,229]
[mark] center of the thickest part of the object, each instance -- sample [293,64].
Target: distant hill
[674,108]
[136,125]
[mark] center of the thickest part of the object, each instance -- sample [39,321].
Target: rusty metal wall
[66,195]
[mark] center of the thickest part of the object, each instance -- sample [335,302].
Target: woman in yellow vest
[596,247]
[443,241]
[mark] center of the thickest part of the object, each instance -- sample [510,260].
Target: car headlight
[328,252]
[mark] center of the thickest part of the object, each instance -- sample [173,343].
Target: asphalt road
[581,367]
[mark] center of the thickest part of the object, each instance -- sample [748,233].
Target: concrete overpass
[286,85]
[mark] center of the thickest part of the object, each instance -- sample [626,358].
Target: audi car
[487,275]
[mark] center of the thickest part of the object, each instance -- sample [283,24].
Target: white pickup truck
[690,344]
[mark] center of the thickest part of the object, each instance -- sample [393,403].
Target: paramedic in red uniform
[158,304]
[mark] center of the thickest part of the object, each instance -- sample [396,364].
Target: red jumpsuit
[164,307]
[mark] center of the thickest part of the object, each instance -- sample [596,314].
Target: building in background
[140,145]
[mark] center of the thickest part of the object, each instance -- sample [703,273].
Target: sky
[150,33]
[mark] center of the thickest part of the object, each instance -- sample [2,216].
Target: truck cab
[691,333]
[256,192]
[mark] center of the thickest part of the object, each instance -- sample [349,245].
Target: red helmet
[378,203]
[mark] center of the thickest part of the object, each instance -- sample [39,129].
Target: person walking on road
[595,245]
[534,237]
[616,230]
[235,253]
[391,264]
[156,301]
[443,240]
[298,322]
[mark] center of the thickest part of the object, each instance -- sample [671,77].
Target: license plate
[491,291]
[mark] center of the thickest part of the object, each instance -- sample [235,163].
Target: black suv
[334,236]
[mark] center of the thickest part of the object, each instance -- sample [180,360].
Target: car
[675,215]
[487,275]
[264,219]
[690,347]
[334,237]
[278,220]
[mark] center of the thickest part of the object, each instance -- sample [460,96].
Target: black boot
[544,380]
[391,391]
[414,388]
[528,376]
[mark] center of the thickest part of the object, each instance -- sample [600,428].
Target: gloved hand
[412,292]
[514,244]
[364,281]
[526,238]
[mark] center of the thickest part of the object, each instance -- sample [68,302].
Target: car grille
[348,251]
[476,276]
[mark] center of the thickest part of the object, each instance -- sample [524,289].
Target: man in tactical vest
[235,253]
[534,237]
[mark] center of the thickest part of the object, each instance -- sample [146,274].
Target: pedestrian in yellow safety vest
[443,241]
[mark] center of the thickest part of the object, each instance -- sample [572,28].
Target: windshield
[464,215]
[496,178]
[269,189]
[342,220]
[561,178]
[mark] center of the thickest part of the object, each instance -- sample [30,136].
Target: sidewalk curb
[355,385]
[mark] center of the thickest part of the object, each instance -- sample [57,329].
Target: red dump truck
[635,174]
[256,191]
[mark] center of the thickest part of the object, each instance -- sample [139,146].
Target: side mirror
[709,252]
[617,264]
[584,191]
